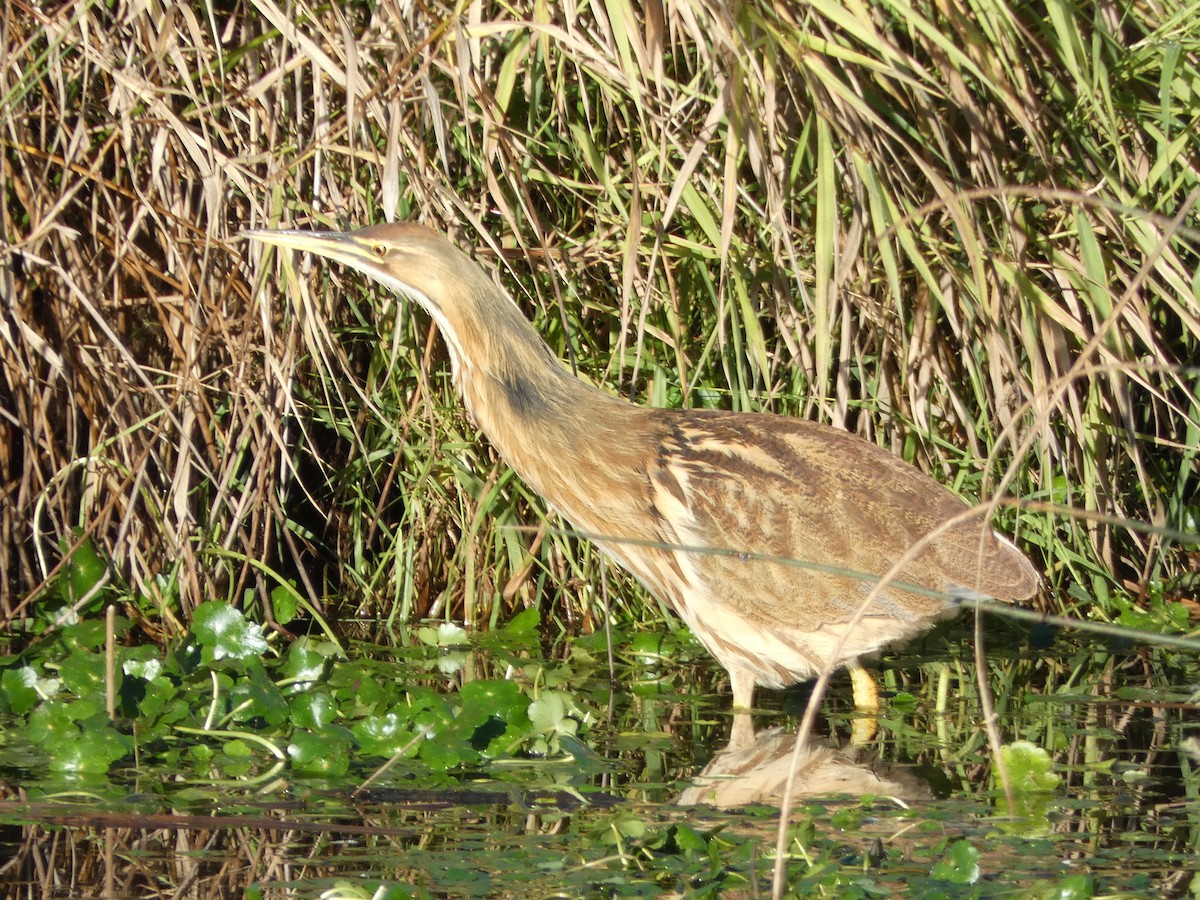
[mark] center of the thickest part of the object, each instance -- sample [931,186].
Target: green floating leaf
[53,722]
[357,692]
[441,756]
[385,735]
[237,748]
[84,570]
[445,635]
[549,712]
[688,839]
[848,819]
[489,708]
[322,752]
[91,754]
[553,716]
[19,689]
[88,634]
[158,703]
[648,647]
[483,699]
[223,632]
[77,737]
[307,660]
[284,602]
[136,665]
[313,709]
[1073,887]
[620,826]
[83,673]
[257,697]
[523,624]
[959,865]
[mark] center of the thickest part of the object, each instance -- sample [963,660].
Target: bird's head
[469,308]
[410,259]
[482,326]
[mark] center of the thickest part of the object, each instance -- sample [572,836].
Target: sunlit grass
[968,235]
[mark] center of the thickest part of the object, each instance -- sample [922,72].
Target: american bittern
[764,533]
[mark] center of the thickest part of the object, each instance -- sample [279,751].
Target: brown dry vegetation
[968,233]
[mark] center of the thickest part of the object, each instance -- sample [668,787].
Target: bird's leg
[742,732]
[866,706]
[742,683]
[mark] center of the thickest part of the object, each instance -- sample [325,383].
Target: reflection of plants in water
[1033,785]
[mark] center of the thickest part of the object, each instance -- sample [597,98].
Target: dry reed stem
[896,220]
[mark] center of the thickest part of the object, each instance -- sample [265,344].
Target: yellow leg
[742,683]
[866,706]
[742,733]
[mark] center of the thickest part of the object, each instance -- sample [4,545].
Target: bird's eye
[379,250]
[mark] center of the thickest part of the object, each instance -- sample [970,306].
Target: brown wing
[802,520]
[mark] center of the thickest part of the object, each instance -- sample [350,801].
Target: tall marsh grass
[969,233]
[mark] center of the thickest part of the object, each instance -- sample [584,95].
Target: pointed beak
[338,246]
